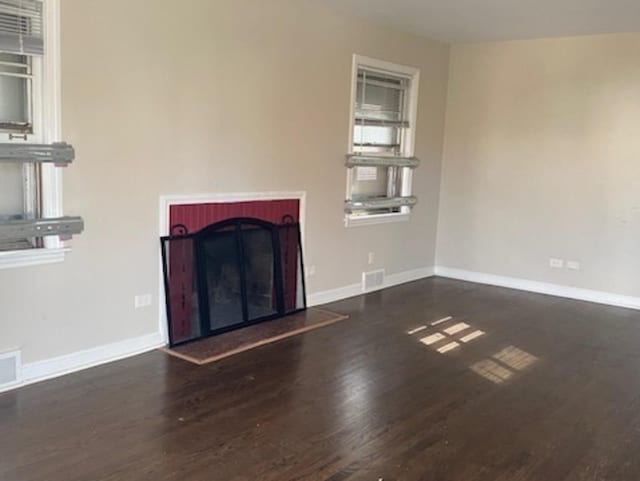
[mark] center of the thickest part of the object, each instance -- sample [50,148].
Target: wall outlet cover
[143,300]
[573,265]
[556,263]
[310,271]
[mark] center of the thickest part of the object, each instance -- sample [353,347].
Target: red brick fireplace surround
[197,216]
[191,218]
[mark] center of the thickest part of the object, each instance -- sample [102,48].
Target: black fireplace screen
[231,274]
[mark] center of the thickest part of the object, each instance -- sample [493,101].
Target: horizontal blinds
[379,203]
[371,77]
[381,161]
[380,99]
[21,27]
[366,122]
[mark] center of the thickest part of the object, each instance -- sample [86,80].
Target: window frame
[33,64]
[389,68]
[46,115]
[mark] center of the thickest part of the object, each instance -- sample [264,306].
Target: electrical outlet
[143,300]
[372,258]
[573,265]
[556,263]
[310,271]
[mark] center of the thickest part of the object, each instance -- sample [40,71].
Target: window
[380,159]
[18,182]
[30,179]
[16,74]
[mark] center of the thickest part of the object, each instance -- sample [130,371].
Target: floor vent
[10,367]
[372,280]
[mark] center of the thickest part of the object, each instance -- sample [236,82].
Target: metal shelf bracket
[60,154]
[24,229]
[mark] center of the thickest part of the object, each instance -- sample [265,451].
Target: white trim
[47,129]
[598,297]
[359,220]
[52,115]
[31,257]
[166,201]
[67,364]
[408,276]
[333,295]
[78,361]
[352,290]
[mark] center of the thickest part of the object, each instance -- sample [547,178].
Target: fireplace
[231,274]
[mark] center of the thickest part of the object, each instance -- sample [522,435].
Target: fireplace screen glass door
[220,263]
[231,274]
[260,268]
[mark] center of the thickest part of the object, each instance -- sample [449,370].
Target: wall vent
[373,280]
[10,367]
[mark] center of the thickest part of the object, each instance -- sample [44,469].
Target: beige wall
[542,160]
[224,96]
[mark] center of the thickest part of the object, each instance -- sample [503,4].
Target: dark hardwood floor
[550,391]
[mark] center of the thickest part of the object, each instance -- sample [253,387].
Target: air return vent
[373,280]
[9,369]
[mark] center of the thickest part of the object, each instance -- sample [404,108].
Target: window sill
[357,220]
[33,257]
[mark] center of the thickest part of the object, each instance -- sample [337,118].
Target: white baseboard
[333,295]
[598,297]
[77,361]
[352,290]
[67,364]
[59,366]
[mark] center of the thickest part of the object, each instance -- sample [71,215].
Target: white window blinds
[21,27]
[380,113]
[380,99]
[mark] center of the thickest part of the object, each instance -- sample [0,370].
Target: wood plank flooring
[550,391]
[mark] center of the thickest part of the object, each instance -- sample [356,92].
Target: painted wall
[164,97]
[541,160]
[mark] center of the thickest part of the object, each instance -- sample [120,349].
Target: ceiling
[485,20]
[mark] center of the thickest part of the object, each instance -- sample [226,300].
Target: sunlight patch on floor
[470,337]
[515,358]
[497,368]
[447,339]
[504,364]
[432,339]
[492,371]
[416,330]
[455,329]
[448,347]
[441,321]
